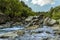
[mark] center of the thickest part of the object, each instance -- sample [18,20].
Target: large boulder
[52,21]
[32,27]
[49,21]
[29,18]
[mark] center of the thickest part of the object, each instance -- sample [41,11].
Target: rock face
[29,18]
[49,21]
[2,18]
[6,25]
[52,21]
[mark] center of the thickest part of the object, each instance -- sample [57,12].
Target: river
[40,33]
[4,30]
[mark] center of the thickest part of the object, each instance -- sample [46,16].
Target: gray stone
[49,21]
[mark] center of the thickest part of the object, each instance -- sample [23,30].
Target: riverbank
[31,27]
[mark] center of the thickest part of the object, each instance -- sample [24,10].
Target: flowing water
[44,33]
[41,33]
[4,30]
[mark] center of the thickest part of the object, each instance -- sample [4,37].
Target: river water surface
[44,33]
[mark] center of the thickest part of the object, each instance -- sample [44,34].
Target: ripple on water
[11,29]
[37,36]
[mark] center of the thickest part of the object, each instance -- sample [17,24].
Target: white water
[38,36]
[11,29]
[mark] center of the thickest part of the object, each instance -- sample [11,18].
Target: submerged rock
[32,27]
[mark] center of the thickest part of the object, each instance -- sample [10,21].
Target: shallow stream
[41,33]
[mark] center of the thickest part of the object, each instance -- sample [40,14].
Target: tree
[56,13]
[14,8]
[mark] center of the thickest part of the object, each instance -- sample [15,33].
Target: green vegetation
[53,13]
[15,8]
[56,13]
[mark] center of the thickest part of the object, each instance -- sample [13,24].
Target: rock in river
[49,21]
